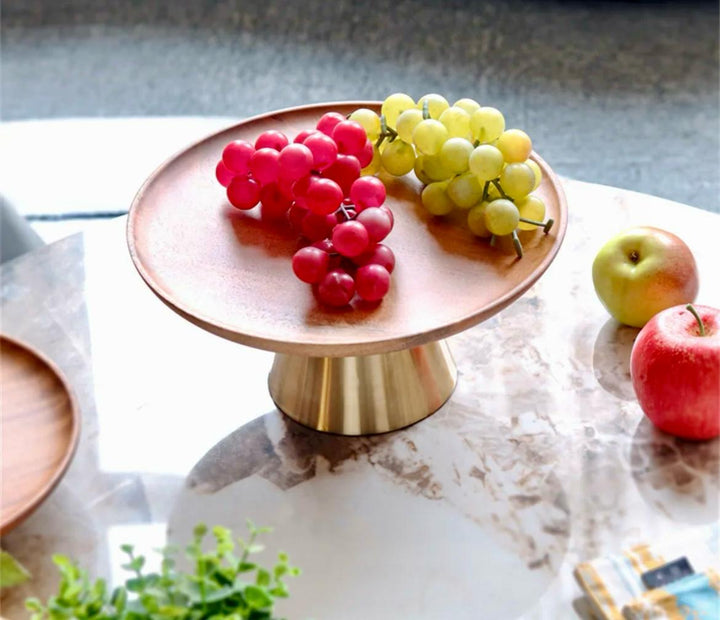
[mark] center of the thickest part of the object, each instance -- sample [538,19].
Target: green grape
[406,122]
[455,154]
[436,168]
[369,120]
[531,208]
[420,173]
[437,104]
[486,124]
[517,180]
[469,105]
[486,162]
[515,145]
[536,171]
[435,199]
[465,190]
[429,136]
[394,105]
[457,122]
[476,220]
[501,217]
[398,158]
[374,165]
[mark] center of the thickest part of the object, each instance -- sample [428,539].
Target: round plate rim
[345,348]
[70,450]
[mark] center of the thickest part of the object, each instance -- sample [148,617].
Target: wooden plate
[40,429]
[229,272]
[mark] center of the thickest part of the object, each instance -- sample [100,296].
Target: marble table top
[541,458]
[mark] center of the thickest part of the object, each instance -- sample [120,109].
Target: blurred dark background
[620,93]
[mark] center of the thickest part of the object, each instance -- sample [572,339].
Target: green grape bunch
[466,159]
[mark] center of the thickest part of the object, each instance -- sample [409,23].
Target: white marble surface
[541,458]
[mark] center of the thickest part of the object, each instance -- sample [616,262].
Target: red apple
[675,370]
[644,270]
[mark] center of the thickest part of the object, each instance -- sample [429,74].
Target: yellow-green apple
[644,270]
[675,371]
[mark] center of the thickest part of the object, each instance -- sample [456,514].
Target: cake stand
[368,368]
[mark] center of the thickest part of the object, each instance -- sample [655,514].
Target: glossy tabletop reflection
[540,459]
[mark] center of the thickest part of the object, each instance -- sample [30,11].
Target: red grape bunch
[315,184]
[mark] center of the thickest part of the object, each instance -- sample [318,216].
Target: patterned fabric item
[616,591]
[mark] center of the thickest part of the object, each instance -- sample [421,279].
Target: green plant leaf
[12,572]
[244,567]
[210,590]
[263,578]
[199,531]
[257,598]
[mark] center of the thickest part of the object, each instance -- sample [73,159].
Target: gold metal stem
[364,394]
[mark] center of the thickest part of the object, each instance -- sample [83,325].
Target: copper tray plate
[40,429]
[230,273]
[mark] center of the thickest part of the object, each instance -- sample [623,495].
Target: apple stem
[701,325]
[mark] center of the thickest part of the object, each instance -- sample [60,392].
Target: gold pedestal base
[365,394]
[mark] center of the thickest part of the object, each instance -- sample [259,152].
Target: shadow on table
[611,358]
[678,478]
[452,507]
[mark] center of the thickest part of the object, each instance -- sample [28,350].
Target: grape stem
[346,215]
[517,244]
[533,222]
[701,325]
[385,132]
[426,110]
[499,188]
[546,226]
[486,187]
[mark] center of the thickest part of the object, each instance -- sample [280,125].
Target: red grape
[243,192]
[236,156]
[295,161]
[344,172]
[376,222]
[323,148]
[264,165]
[350,238]
[315,226]
[350,137]
[323,196]
[380,254]
[367,192]
[222,174]
[389,212]
[365,156]
[300,189]
[296,214]
[271,139]
[336,288]
[372,282]
[327,122]
[325,245]
[303,135]
[273,203]
[310,264]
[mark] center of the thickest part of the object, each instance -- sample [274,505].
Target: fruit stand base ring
[364,394]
